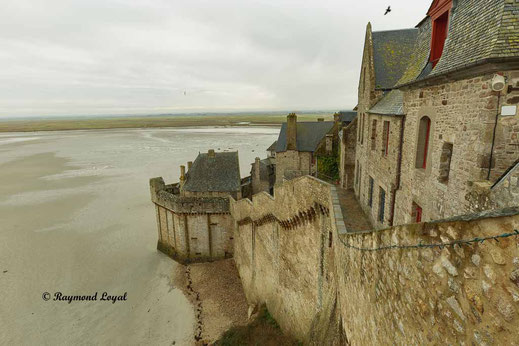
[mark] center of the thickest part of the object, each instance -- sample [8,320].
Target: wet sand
[216,291]
[75,217]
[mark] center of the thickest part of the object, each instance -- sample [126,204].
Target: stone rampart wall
[281,251]
[383,287]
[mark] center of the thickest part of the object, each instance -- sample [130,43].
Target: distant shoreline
[150,122]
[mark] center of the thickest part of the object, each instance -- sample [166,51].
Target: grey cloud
[135,56]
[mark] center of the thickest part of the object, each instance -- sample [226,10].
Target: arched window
[422,148]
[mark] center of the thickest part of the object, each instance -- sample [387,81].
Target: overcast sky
[72,57]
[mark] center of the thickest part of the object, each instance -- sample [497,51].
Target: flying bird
[388,10]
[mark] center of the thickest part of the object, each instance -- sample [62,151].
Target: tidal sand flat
[76,218]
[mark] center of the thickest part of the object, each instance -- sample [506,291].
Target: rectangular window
[422,149]
[359,128]
[416,213]
[381,204]
[445,163]
[385,139]
[370,192]
[374,135]
[362,129]
[360,180]
[357,175]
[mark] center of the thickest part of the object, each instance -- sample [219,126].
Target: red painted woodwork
[439,7]
[426,144]
[418,212]
[439,35]
[439,13]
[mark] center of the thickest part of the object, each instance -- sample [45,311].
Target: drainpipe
[398,170]
[494,136]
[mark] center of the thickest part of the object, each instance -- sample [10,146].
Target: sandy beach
[75,217]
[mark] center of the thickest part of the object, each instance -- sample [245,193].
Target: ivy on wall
[328,166]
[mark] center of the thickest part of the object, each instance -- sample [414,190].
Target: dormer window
[439,13]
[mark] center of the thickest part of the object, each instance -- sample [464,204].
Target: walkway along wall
[403,285]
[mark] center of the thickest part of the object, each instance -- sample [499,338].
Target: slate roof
[347,116]
[309,135]
[272,146]
[391,104]
[478,30]
[391,53]
[220,173]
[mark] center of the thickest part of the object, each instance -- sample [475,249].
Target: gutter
[514,60]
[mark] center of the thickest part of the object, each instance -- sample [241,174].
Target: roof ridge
[394,30]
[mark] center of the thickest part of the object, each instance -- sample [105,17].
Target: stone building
[437,112]
[193,216]
[344,117]
[263,175]
[301,143]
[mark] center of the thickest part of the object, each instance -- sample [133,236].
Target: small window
[439,35]
[381,205]
[424,132]
[385,139]
[416,213]
[330,239]
[362,129]
[373,134]
[445,163]
[360,178]
[357,175]
[370,192]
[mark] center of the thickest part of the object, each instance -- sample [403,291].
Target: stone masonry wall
[462,113]
[308,269]
[281,251]
[347,155]
[292,163]
[380,167]
[505,193]
[453,295]
[192,229]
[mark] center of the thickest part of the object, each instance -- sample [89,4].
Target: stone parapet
[167,196]
[451,281]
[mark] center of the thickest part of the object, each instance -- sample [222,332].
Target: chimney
[182,174]
[292,131]
[257,168]
[336,117]
[320,119]
[211,153]
[189,164]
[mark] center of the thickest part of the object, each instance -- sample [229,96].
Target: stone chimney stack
[292,131]
[336,117]
[189,164]
[211,153]
[320,119]
[257,167]
[182,175]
